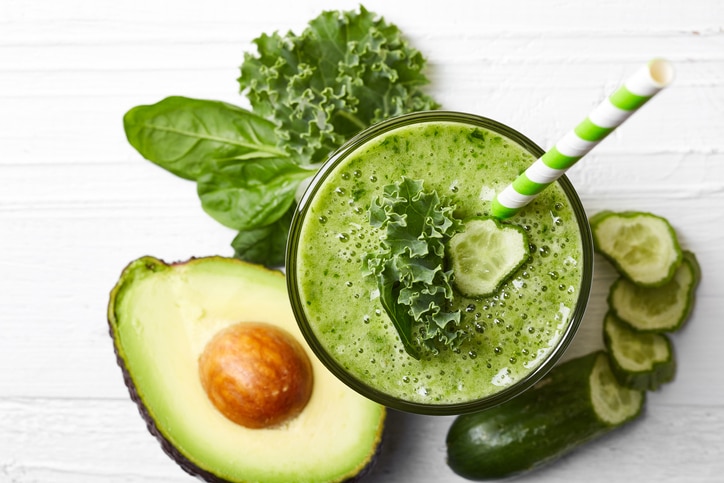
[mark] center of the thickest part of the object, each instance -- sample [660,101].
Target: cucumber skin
[660,373]
[594,220]
[690,257]
[635,325]
[548,421]
[645,382]
[689,260]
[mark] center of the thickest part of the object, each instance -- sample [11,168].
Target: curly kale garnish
[346,71]
[415,290]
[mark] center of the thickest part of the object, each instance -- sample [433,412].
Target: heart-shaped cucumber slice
[486,254]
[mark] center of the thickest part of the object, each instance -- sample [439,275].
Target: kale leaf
[415,290]
[343,73]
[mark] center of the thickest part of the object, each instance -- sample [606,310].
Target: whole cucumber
[574,403]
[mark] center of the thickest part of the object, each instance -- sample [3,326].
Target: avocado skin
[191,468]
[155,264]
[167,447]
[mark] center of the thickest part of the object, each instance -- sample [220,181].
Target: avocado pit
[256,374]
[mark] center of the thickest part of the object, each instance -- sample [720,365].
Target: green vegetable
[247,195]
[642,246]
[690,258]
[188,136]
[243,179]
[309,93]
[486,254]
[639,360]
[266,245]
[343,73]
[575,402]
[415,290]
[656,309]
[161,318]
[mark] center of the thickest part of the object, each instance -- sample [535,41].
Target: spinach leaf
[250,194]
[184,135]
[265,245]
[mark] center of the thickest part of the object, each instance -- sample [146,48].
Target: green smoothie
[510,333]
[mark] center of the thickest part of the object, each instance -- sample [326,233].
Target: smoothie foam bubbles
[513,336]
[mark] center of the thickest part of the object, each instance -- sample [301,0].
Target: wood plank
[77,203]
[91,440]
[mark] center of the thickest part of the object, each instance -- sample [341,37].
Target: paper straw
[611,113]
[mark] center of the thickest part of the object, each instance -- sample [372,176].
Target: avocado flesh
[161,317]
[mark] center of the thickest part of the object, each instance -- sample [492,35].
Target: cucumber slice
[642,246]
[657,309]
[642,361]
[693,262]
[574,403]
[486,254]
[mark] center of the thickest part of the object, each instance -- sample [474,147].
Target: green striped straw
[611,113]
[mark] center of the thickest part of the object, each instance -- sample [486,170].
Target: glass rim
[373,393]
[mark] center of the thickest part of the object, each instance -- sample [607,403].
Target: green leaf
[343,73]
[400,316]
[184,135]
[415,290]
[265,245]
[309,93]
[250,194]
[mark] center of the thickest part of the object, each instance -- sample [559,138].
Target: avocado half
[161,317]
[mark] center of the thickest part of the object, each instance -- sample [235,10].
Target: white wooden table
[77,202]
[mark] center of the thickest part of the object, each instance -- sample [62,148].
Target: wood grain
[77,203]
